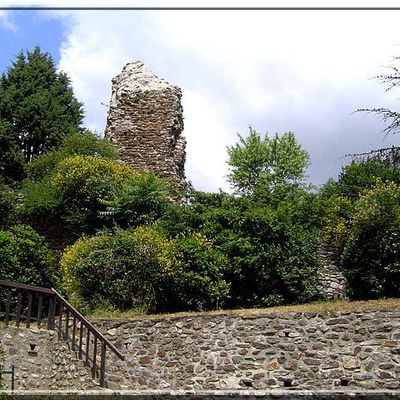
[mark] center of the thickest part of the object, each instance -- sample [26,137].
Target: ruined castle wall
[145,121]
[333,284]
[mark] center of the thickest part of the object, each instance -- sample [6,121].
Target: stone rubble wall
[298,350]
[145,121]
[41,362]
[333,284]
[206,395]
[263,351]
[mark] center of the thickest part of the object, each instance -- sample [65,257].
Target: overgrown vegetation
[132,247]
[37,108]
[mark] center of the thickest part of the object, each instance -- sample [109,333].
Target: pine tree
[37,110]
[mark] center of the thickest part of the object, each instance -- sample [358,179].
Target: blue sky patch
[32,28]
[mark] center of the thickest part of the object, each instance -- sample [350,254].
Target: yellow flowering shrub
[125,269]
[74,173]
[336,219]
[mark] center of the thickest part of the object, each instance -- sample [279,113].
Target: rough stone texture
[41,362]
[333,283]
[207,395]
[145,120]
[300,351]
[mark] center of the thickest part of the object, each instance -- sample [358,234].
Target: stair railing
[29,304]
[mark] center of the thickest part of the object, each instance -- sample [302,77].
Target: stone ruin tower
[145,121]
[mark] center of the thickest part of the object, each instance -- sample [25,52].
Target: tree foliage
[264,163]
[75,144]
[142,200]
[271,251]
[371,256]
[143,268]
[25,257]
[37,109]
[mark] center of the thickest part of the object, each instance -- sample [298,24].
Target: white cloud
[5,20]
[303,71]
[200,3]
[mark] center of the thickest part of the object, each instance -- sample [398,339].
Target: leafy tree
[25,258]
[198,281]
[263,163]
[11,159]
[75,144]
[37,109]
[363,174]
[337,199]
[371,256]
[271,251]
[7,207]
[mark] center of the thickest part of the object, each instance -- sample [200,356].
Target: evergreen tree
[37,109]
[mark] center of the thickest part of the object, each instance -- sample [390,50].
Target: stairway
[45,311]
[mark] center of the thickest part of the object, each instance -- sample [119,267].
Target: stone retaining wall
[206,395]
[299,350]
[41,362]
[263,351]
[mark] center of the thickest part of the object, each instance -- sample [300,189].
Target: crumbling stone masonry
[145,121]
[333,284]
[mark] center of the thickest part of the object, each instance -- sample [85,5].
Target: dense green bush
[7,207]
[125,269]
[197,282]
[25,258]
[142,268]
[75,144]
[271,250]
[42,197]
[91,192]
[142,199]
[371,256]
[73,192]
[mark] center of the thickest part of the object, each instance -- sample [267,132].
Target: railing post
[12,378]
[39,312]
[7,316]
[29,311]
[103,364]
[60,321]
[87,346]
[94,366]
[18,312]
[80,340]
[66,323]
[52,312]
[73,347]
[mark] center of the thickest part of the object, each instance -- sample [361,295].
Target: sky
[277,71]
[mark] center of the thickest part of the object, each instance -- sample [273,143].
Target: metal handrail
[88,325]
[79,323]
